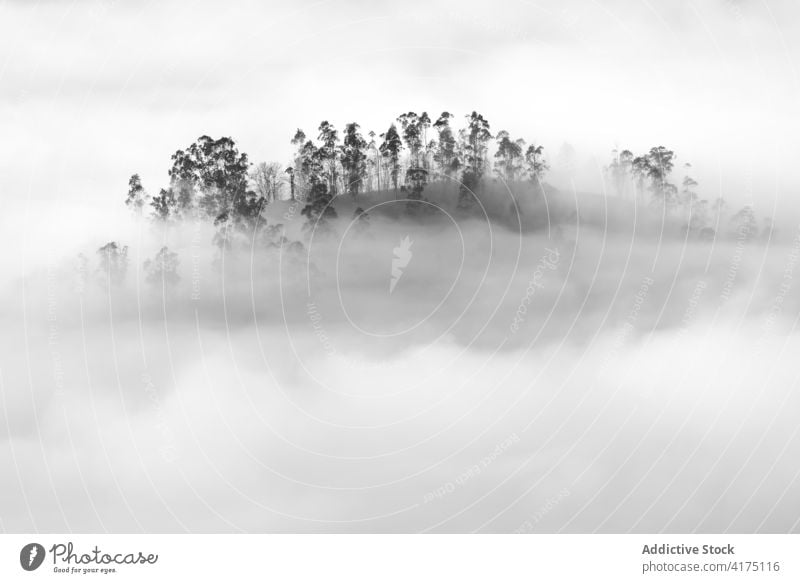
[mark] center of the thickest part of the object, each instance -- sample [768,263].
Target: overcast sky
[670,405]
[94,90]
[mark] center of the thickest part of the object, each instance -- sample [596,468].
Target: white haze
[94,90]
[645,388]
[607,406]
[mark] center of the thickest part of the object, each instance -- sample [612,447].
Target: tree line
[212,180]
[636,177]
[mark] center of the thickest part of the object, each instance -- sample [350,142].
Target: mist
[89,103]
[552,362]
[593,332]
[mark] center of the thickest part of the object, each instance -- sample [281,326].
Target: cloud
[642,381]
[124,86]
[635,393]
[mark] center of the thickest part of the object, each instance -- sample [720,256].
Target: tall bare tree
[267,182]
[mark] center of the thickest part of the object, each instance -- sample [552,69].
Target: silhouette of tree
[163,268]
[446,156]
[688,195]
[640,168]
[292,186]
[698,216]
[660,162]
[390,150]
[476,137]
[412,135]
[214,174]
[508,156]
[113,262]
[272,236]
[300,180]
[311,164]
[353,158]
[329,138]
[424,122]
[744,223]
[620,171]
[534,156]
[477,140]
[165,205]
[416,179]
[373,165]
[137,197]
[319,208]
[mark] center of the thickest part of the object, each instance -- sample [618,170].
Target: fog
[559,362]
[87,102]
[557,359]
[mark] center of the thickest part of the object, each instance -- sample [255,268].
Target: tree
[319,208]
[163,268]
[688,195]
[445,155]
[390,150]
[416,175]
[266,180]
[165,205]
[697,209]
[374,164]
[292,185]
[475,137]
[698,216]
[212,173]
[745,224]
[113,262]
[412,135]
[273,236]
[508,156]
[137,197]
[640,169]
[620,171]
[416,178]
[353,158]
[537,166]
[660,162]
[242,225]
[424,122]
[297,176]
[311,164]
[329,138]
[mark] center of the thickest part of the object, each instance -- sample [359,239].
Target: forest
[214,182]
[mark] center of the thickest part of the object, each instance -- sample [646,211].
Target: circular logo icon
[31,556]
